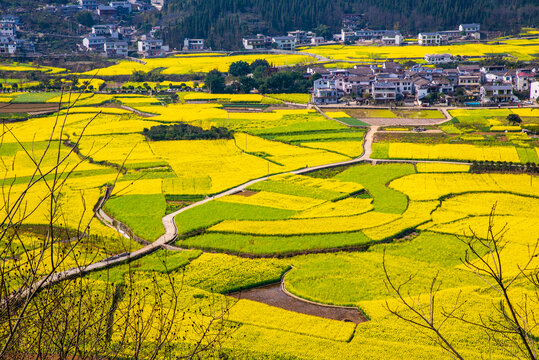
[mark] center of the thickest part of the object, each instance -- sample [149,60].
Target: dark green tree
[85,18]
[259,63]
[239,68]
[247,84]
[215,82]
[138,76]
[514,119]
[323,30]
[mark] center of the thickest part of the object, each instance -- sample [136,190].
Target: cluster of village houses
[391,82]
[9,41]
[112,40]
[364,36]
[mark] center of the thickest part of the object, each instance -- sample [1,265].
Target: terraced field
[328,230]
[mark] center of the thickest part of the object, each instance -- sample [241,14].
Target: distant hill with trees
[224,22]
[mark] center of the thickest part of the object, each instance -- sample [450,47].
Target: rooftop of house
[497,87]
[284,38]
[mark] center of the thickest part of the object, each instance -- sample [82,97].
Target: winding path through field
[170,225]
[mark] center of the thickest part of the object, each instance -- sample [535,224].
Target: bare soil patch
[28,107]
[246,193]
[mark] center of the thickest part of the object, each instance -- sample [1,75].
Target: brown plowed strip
[246,193]
[272,295]
[24,108]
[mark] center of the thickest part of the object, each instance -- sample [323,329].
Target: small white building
[122,7]
[88,4]
[469,28]
[438,58]
[284,42]
[317,40]
[430,39]
[116,48]
[151,47]
[524,80]
[158,4]
[392,38]
[103,29]
[299,35]
[496,93]
[384,91]
[8,29]
[94,42]
[7,45]
[534,90]
[193,44]
[258,42]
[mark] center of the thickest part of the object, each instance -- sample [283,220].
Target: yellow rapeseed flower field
[441,168]
[259,314]
[522,49]
[433,186]
[269,199]
[418,212]
[324,225]
[346,207]
[348,148]
[327,184]
[452,152]
[196,64]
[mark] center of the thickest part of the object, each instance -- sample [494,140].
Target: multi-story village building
[383,91]
[116,48]
[260,41]
[431,39]
[284,42]
[193,44]
[524,79]
[496,93]
[88,4]
[150,47]
[534,90]
[438,58]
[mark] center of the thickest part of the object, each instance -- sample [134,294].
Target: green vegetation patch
[380,150]
[348,278]
[355,134]
[273,245]
[441,249]
[527,155]
[419,114]
[186,132]
[142,213]
[213,212]
[352,121]
[37,97]
[375,178]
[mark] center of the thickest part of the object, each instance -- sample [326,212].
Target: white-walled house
[470,28]
[496,93]
[534,90]
[438,58]
[193,44]
[523,80]
[384,91]
[94,42]
[151,47]
[116,48]
[284,42]
[430,39]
